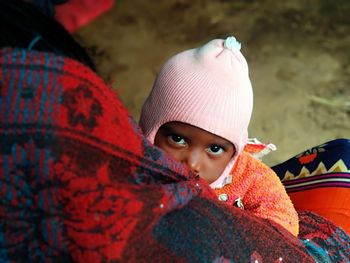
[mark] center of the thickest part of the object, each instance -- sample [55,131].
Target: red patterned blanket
[78,183]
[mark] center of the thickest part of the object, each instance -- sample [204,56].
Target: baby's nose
[194,161]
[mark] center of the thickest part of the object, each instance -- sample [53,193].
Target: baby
[198,112]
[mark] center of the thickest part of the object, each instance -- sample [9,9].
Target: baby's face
[205,153]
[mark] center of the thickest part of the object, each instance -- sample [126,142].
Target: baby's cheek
[211,173]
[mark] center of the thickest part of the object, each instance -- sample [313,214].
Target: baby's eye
[215,150]
[177,139]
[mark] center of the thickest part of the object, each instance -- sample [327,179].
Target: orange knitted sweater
[261,192]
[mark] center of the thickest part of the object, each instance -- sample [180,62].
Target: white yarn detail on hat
[232,44]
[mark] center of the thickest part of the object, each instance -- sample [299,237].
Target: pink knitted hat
[207,87]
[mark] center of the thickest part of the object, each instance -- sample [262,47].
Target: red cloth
[77,13]
[78,183]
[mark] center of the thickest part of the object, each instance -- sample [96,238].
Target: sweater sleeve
[267,198]
[262,192]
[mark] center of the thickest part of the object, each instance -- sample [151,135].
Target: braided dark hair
[24,25]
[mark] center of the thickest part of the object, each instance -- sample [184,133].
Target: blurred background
[298,52]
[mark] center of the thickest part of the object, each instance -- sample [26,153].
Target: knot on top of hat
[232,44]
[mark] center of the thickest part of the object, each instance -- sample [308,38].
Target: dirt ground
[298,52]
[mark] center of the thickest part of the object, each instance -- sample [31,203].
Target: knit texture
[78,182]
[207,87]
[261,192]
